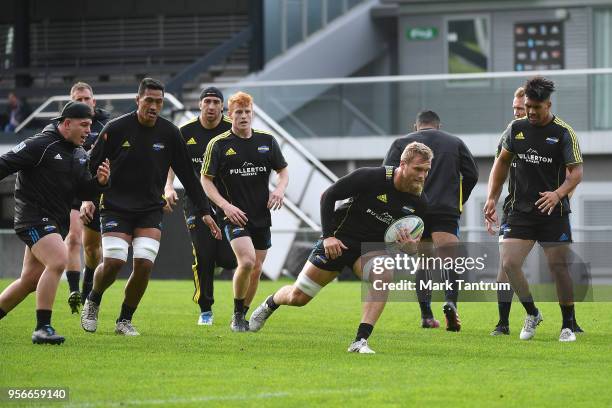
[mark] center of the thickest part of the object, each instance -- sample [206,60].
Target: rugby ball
[412,223]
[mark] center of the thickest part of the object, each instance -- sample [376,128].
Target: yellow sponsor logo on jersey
[230,152]
[125,144]
[191,141]
[383,198]
[519,136]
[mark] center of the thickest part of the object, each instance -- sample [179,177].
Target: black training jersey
[453,172]
[373,204]
[541,154]
[197,138]
[140,158]
[241,169]
[511,176]
[51,173]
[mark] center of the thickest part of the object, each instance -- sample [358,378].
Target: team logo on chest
[249,169]
[230,152]
[552,140]
[263,149]
[408,210]
[532,156]
[158,146]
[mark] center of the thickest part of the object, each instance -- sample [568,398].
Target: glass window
[272,29]
[602,84]
[314,15]
[467,45]
[334,9]
[294,31]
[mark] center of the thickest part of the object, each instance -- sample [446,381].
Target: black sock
[364,331]
[2,313]
[271,304]
[95,297]
[451,295]
[529,306]
[73,280]
[126,312]
[239,306]
[426,312]
[567,311]
[43,318]
[504,303]
[88,275]
[246,309]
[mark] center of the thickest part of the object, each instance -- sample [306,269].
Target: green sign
[421,33]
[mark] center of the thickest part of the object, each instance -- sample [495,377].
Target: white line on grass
[265,395]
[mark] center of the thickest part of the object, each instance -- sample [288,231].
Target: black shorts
[31,235]
[538,228]
[127,222]
[207,247]
[503,225]
[261,237]
[94,224]
[349,256]
[440,223]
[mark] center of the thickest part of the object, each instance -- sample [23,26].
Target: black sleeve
[393,155]
[570,148]
[25,155]
[469,172]
[506,138]
[278,160]
[99,151]
[181,164]
[351,185]
[212,157]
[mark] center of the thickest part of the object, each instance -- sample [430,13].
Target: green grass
[300,357]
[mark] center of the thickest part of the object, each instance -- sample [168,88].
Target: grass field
[300,358]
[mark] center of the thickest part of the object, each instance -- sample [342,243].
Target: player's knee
[115,248]
[298,298]
[73,242]
[29,283]
[58,263]
[246,263]
[304,290]
[256,271]
[92,252]
[509,264]
[145,248]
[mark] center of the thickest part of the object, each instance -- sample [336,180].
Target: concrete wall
[486,102]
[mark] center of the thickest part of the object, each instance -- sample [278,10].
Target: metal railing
[386,105]
[47,111]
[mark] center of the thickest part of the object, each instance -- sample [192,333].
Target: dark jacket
[453,172]
[97,124]
[51,173]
